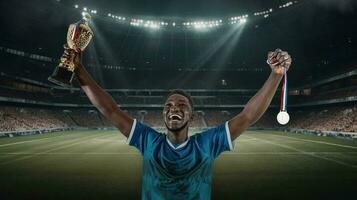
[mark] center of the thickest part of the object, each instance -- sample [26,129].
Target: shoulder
[215,134]
[141,130]
[214,130]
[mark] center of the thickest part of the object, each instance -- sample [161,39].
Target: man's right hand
[76,56]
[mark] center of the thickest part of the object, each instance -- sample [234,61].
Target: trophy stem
[62,77]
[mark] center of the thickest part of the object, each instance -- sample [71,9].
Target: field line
[28,141]
[319,142]
[81,140]
[306,153]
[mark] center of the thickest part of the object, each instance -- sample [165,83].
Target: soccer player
[176,166]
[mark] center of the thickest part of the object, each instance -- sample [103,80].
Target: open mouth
[175,117]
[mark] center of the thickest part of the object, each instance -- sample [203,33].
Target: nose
[173,108]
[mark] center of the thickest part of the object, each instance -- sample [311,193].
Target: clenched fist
[279,61]
[73,55]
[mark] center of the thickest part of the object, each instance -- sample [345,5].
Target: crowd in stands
[329,119]
[337,118]
[20,119]
[343,119]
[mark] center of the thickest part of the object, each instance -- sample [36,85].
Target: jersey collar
[179,146]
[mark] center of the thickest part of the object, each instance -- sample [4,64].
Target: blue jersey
[181,172]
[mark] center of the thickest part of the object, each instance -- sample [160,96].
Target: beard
[176,129]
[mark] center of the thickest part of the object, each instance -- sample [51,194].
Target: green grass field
[100,165]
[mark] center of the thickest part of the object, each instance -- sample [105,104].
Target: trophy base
[62,77]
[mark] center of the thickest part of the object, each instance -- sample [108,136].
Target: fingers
[286,63]
[70,52]
[274,57]
[270,54]
[279,61]
[73,56]
[282,56]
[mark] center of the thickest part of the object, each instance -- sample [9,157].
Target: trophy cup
[78,37]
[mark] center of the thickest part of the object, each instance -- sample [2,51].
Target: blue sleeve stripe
[231,144]
[131,132]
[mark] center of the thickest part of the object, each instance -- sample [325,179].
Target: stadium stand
[335,118]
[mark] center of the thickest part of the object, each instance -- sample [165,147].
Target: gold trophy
[78,37]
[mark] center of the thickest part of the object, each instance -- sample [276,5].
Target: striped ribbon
[284,94]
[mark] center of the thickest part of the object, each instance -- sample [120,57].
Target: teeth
[174,115]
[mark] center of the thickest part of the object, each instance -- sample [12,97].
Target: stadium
[55,144]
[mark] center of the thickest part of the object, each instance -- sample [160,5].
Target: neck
[178,137]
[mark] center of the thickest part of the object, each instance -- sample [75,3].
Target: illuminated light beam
[99,44]
[227,52]
[219,52]
[219,44]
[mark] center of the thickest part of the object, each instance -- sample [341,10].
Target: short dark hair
[183,93]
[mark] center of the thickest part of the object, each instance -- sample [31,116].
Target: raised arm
[100,98]
[259,103]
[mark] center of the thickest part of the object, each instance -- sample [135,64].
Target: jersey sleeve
[142,136]
[216,140]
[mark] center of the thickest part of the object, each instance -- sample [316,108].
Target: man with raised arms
[176,166]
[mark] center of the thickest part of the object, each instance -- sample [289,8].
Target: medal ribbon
[284,94]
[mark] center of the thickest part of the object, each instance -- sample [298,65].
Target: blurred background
[214,50]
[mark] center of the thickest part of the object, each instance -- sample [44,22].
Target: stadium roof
[320,35]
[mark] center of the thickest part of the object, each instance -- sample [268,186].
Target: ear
[192,116]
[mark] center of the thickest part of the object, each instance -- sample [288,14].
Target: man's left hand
[279,61]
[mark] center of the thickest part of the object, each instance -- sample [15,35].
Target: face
[177,112]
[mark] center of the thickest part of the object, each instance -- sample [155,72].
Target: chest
[189,159]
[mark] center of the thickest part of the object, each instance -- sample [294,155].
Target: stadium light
[190,24]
